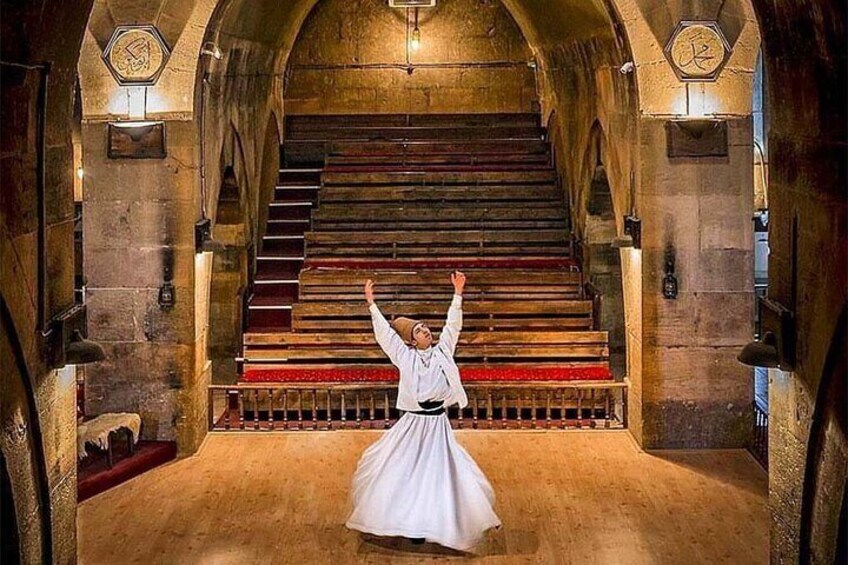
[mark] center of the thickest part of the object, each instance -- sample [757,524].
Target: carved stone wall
[351,57]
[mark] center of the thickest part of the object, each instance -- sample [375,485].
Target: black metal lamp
[81,351]
[761,353]
[669,282]
[776,347]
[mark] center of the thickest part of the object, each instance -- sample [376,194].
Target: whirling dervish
[416,481]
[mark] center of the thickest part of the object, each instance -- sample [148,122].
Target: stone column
[691,391]
[139,217]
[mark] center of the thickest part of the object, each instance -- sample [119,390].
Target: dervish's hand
[369,291]
[458,280]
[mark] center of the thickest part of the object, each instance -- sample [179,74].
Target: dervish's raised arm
[388,339]
[453,325]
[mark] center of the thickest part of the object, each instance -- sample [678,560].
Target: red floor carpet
[94,475]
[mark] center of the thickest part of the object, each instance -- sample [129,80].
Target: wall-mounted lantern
[167,292]
[669,280]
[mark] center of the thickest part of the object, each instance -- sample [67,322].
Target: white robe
[416,481]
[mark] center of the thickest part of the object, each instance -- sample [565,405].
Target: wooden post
[329,410]
[344,410]
[579,407]
[256,409]
[533,409]
[548,410]
[490,409]
[358,417]
[285,409]
[210,412]
[562,410]
[386,399]
[519,404]
[314,409]
[240,396]
[271,410]
[300,409]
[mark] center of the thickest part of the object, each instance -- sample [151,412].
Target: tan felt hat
[404,326]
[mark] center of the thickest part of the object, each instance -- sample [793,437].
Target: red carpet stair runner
[404,200]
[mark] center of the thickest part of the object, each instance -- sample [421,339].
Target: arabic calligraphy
[697,51]
[136,55]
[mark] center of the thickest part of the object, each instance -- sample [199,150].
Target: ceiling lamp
[415,41]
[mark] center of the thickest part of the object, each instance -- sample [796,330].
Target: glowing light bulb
[80,173]
[415,42]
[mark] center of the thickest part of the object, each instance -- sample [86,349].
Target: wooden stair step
[322,340]
[470,309]
[560,351]
[438,147]
[547,175]
[414,132]
[451,236]
[437,193]
[295,122]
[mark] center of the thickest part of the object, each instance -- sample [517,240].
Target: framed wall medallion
[697,51]
[136,55]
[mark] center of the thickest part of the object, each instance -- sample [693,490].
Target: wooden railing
[759,443]
[276,406]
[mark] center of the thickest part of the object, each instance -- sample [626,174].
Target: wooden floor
[564,497]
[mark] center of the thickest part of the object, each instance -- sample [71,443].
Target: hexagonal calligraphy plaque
[136,55]
[697,51]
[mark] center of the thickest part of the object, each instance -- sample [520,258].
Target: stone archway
[823,509]
[22,452]
[602,262]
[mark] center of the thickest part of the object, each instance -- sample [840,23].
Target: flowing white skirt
[418,482]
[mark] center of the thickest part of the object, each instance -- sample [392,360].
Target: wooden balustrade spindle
[606,409]
[533,409]
[371,409]
[240,396]
[271,425]
[228,414]
[256,409]
[490,409]
[358,417]
[386,404]
[503,411]
[329,410]
[285,409]
[344,410]
[476,410]
[300,409]
[519,405]
[314,409]
[548,410]
[562,423]
[579,407]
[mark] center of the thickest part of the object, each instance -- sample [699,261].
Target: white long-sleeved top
[424,374]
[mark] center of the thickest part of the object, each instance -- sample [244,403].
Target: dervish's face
[422,337]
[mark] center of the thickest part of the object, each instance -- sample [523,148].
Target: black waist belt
[431,408]
[436,412]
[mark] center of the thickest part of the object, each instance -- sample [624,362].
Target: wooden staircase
[404,200]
